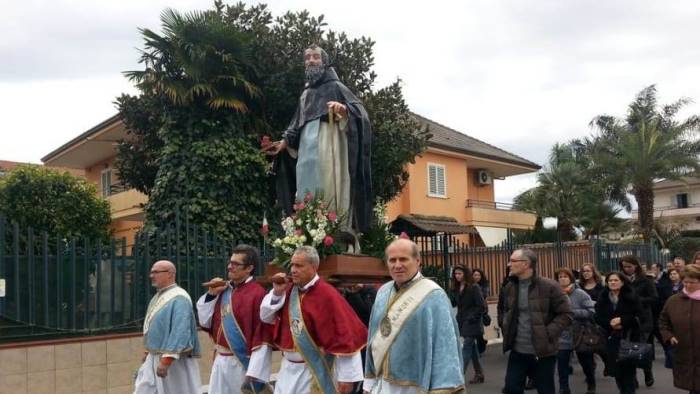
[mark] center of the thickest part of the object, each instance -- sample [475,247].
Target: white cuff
[269,307]
[349,368]
[205,310]
[173,355]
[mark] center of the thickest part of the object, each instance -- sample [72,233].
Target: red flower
[328,241]
[265,229]
[299,206]
[298,232]
[309,196]
[332,217]
[403,235]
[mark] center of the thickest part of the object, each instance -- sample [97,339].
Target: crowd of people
[403,337]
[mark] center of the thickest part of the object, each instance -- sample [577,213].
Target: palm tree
[648,144]
[198,59]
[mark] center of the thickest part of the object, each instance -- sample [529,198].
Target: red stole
[333,325]
[246,299]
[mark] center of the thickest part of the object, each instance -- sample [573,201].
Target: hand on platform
[216,288]
[345,387]
[279,284]
[275,148]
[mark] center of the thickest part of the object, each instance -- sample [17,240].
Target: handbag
[589,338]
[486,319]
[638,353]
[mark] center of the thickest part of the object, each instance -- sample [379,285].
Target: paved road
[495,361]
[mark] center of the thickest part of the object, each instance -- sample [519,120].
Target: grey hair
[324,55]
[310,254]
[531,257]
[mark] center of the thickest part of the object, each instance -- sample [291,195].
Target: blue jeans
[520,366]
[469,351]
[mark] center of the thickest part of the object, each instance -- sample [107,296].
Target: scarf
[693,296]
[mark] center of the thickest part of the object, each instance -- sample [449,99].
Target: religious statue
[326,148]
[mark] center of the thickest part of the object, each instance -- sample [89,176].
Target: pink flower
[298,232]
[328,241]
[309,196]
[332,217]
[403,235]
[301,205]
[265,229]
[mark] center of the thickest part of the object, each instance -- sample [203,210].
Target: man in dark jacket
[533,314]
[645,290]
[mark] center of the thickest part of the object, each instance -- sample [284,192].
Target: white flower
[299,222]
[277,242]
[313,233]
[302,239]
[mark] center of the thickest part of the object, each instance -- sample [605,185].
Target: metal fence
[58,286]
[441,253]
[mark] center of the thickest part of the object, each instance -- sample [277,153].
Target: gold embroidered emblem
[296,327]
[385,327]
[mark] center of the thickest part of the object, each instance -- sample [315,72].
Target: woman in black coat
[470,309]
[617,312]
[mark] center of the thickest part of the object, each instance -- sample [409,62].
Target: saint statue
[326,148]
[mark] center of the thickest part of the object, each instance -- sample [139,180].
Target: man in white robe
[170,338]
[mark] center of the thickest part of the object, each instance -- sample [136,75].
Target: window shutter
[441,181]
[432,179]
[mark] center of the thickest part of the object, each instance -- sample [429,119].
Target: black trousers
[520,366]
[586,361]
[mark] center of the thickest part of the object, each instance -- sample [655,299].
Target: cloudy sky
[518,74]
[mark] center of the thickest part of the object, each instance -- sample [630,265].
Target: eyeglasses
[158,272]
[234,263]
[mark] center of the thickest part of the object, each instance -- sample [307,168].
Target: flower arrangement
[311,224]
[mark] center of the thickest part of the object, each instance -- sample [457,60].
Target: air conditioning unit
[483,177]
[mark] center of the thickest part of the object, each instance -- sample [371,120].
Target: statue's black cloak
[314,106]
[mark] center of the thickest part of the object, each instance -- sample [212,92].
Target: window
[106,182]
[437,183]
[682,200]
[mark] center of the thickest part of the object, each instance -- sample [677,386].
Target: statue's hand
[339,109]
[275,148]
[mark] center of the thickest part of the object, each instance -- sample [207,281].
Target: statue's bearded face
[313,64]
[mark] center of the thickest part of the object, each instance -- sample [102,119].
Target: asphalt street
[494,362]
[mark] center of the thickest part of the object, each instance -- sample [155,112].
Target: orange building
[450,187]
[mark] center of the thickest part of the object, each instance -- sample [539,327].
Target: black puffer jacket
[470,309]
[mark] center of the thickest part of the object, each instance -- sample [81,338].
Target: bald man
[170,338]
[413,342]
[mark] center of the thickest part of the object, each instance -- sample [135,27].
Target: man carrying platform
[319,335]
[230,313]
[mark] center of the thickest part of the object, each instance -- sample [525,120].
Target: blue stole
[319,363]
[235,338]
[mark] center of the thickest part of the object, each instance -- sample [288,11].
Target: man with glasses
[532,315]
[170,336]
[230,312]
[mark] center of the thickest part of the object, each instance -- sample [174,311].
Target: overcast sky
[517,74]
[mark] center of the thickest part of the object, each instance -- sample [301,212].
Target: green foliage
[198,58]
[648,144]
[567,191]
[685,247]
[176,117]
[376,239]
[53,201]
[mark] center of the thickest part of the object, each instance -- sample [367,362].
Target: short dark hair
[567,272]
[250,253]
[624,278]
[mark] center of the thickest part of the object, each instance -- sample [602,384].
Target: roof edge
[93,130]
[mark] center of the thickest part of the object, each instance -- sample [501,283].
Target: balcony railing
[669,208]
[502,206]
